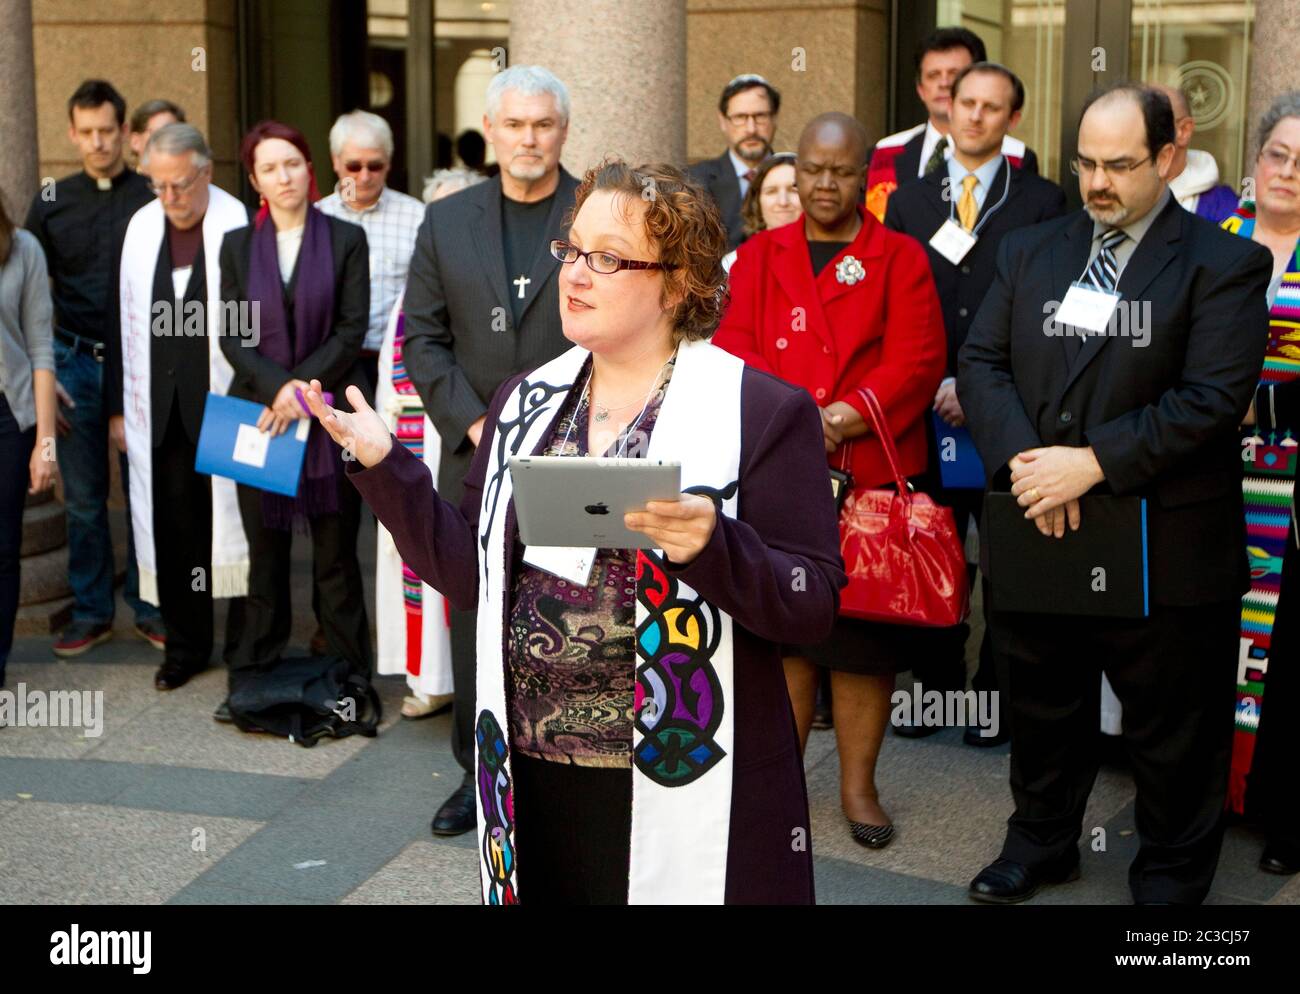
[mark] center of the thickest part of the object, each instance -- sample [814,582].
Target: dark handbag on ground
[904,559]
[306,700]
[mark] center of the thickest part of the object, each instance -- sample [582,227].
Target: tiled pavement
[168,806]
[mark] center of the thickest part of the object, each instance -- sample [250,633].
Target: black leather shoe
[172,674]
[973,737]
[457,814]
[222,713]
[1006,882]
[910,731]
[1281,859]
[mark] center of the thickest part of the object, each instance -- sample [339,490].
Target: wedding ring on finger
[1033,495]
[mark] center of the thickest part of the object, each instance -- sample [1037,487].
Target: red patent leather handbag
[904,559]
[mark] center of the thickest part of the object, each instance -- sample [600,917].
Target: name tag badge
[1087,307]
[571,564]
[952,241]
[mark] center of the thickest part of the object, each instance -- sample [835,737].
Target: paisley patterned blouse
[571,662]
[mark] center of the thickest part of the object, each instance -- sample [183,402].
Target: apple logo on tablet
[596,508]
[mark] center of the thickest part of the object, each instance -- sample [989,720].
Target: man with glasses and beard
[482,305]
[747,116]
[1057,415]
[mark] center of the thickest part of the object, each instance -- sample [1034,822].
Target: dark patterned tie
[936,157]
[1104,269]
[1103,272]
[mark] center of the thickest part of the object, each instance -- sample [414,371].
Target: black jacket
[461,341]
[919,209]
[335,362]
[1162,418]
[718,176]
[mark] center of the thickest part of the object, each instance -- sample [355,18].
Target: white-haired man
[361,147]
[189,538]
[482,304]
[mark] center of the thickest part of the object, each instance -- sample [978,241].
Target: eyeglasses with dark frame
[604,263]
[374,166]
[740,120]
[1086,167]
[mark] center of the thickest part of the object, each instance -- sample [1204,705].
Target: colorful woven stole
[410,432]
[1268,488]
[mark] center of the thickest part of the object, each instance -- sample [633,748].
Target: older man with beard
[481,306]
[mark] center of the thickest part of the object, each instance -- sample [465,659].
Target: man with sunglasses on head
[482,305]
[747,113]
[361,147]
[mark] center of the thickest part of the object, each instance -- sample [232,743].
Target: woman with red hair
[306,278]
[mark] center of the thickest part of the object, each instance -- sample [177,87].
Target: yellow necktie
[967,210]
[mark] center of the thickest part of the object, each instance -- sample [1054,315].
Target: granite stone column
[1274,68]
[18,160]
[624,62]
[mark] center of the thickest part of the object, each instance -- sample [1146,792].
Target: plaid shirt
[391,226]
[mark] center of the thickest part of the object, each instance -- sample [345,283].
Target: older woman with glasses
[635,741]
[1262,781]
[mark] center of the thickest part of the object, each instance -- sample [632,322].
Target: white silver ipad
[581,502]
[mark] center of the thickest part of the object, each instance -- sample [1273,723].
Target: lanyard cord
[586,387]
[1006,188]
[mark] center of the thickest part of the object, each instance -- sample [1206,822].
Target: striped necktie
[1104,269]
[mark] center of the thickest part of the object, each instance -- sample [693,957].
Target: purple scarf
[313,320]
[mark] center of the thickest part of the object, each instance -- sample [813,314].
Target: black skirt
[573,828]
[873,647]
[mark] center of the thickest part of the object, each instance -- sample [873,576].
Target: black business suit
[462,342]
[718,176]
[919,209]
[1162,421]
[268,612]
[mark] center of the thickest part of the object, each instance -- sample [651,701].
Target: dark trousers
[182,523]
[573,827]
[268,608]
[15,453]
[1175,675]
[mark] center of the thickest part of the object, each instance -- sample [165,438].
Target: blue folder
[231,446]
[960,467]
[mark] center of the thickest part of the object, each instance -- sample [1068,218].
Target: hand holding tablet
[609,504]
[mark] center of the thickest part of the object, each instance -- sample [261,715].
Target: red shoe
[81,636]
[152,631]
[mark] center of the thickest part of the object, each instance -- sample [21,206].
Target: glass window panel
[1203,46]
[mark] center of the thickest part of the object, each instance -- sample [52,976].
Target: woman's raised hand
[362,433]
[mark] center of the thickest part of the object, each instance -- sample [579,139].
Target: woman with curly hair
[635,741]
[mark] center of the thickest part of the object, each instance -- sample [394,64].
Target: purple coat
[749,569]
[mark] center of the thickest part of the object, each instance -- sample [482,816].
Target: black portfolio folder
[1099,570]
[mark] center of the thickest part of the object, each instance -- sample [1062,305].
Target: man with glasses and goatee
[747,113]
[482,305]
[1152,415]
